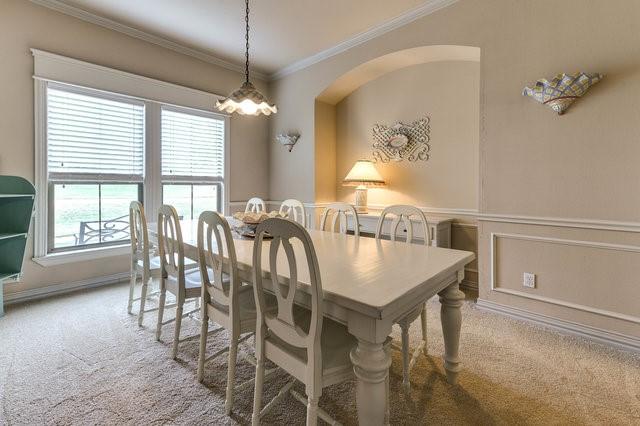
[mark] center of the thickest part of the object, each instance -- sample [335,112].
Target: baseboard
[52,290]
[596,334]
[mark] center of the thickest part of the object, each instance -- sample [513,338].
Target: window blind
[192,147]
[94,138]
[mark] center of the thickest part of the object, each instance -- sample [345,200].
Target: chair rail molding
[554,301]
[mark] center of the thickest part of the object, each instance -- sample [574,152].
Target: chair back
[334,218]
[139,234]
[287,234]
[295,211]
[255,205]
[170,247]
[215,248]
[405,214]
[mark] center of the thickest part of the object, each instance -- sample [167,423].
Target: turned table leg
[371,366]
[451,299]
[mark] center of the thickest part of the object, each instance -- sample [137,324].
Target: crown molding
[92,18]
[429,7]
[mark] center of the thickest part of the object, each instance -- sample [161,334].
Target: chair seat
[154,263]
[336,343]
[192,283]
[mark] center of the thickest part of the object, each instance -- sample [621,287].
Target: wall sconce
[559,93]
[288,140]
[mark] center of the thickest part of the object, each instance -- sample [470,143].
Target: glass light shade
[363,173]
[247,100]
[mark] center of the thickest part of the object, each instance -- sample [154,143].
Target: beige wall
[580,166]
[24,25]
[447,92]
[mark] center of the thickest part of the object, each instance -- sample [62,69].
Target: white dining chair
[144,263]
[334,218]
[225,299]
[403,214]
[312,349]
[294,210]
[255,205]
[182,283]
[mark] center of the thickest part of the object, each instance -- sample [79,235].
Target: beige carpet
[80,359]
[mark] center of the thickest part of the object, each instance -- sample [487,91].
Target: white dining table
[368,284]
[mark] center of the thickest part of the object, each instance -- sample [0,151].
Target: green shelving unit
[16,207]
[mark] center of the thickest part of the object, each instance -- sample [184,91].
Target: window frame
[91,79]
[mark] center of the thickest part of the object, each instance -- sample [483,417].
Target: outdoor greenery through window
[98,158]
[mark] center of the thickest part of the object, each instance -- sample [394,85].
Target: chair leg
[405,355]
[312,410]
[143,299]
[176,334]
[257,393]
[163,296]
[204,331]
[132,284]
[423,317]
[231,374]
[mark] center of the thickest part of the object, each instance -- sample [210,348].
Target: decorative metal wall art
[288,140]
[402,141]
[559,93]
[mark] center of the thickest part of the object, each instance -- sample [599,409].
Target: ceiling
[283,32]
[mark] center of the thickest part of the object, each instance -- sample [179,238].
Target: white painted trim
[40,209]
[84,255]
[551,300]
[601,336]
[92,18]
[598,224]
[62,69]
[50,290]
[429,7]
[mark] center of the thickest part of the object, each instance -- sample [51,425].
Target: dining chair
[294,210]
[225,299]
[336,214]
[255,205]
[183,284]
[403,214]
[143,264]
[312,349]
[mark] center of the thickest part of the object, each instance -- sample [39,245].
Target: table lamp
[362,175]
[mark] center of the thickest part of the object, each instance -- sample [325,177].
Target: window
[106,137]
[192,161]
[95,162]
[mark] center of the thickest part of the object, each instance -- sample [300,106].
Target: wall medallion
[402,141]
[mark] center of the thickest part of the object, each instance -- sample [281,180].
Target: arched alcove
[375,68]
[442,82]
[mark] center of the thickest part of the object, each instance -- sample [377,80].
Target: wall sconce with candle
[363,175]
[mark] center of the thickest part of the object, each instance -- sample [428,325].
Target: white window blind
[94,137]
[192,147]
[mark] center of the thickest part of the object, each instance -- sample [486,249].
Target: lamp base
[361,199]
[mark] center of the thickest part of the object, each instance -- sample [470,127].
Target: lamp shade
[363,173]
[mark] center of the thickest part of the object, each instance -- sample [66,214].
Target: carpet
[81,359]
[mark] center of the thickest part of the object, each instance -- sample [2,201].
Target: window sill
[82,255]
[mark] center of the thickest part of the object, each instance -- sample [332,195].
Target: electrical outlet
[529,280]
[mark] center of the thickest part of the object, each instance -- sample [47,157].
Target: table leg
[451,299]
[371,366]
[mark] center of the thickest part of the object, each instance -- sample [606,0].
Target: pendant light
[246,100]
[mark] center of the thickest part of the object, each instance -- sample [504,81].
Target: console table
[440,227]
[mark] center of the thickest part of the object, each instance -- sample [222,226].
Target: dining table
[369,284]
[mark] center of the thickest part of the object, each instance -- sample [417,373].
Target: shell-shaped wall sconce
[559,93]
[288,140]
